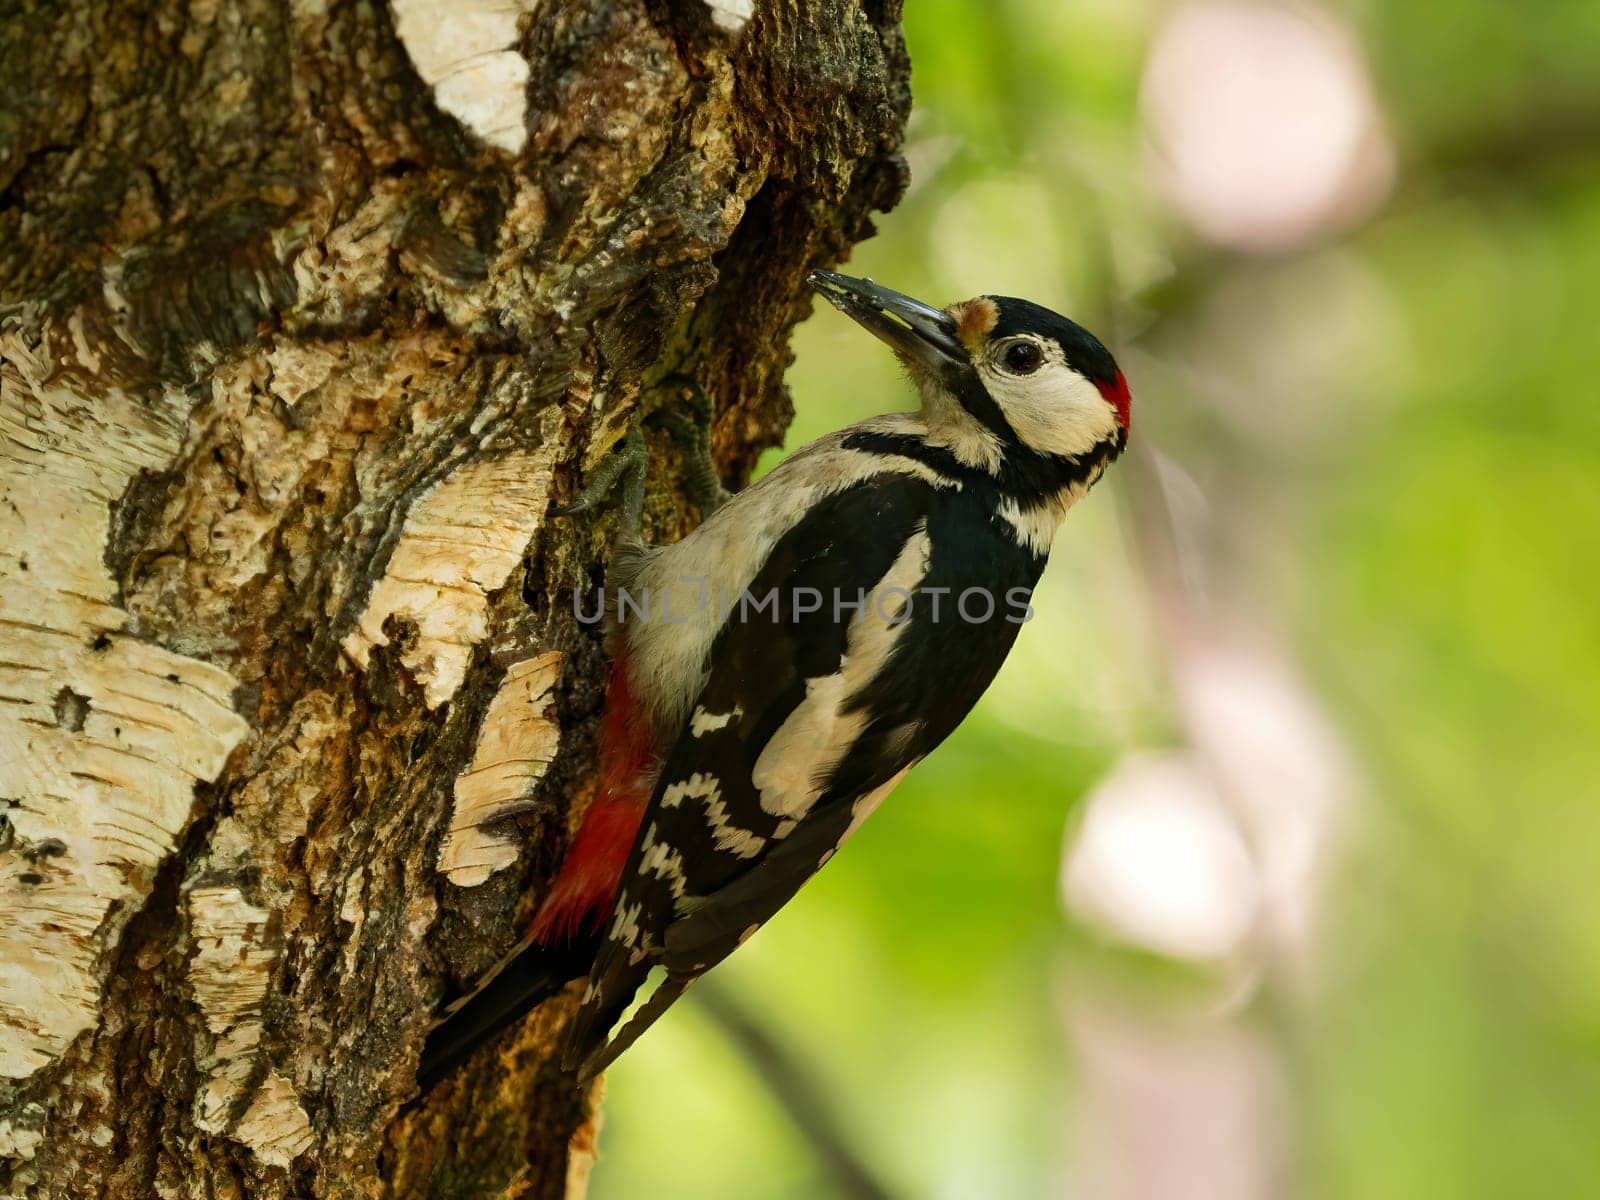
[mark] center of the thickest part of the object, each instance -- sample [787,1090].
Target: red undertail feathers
[580,898]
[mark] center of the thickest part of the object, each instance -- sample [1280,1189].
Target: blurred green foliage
[1428,546]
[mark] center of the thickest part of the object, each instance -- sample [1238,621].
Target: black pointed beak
[916,331]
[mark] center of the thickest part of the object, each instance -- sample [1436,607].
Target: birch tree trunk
[312,310]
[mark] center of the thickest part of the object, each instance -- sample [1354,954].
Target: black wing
[736,827]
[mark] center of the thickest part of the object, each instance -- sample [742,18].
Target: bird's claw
[691,430]
[628,464]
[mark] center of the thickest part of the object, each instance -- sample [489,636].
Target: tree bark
[309,314]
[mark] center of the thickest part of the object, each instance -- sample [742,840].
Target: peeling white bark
[20,1136]
[583,1151]
[275,1127]
[731,15]
[345,316]
[516,743]
[460,542]
[295,369]
[102,735]
[463,50]
[229,972]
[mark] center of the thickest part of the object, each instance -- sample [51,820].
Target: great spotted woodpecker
[786,663]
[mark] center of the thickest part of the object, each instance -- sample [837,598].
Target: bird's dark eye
[1022,358]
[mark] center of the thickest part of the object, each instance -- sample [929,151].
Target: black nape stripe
[904,445]
[1027,476]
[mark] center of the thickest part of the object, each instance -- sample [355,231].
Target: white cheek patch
[1055,410]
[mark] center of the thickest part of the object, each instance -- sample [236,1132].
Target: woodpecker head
[1034,384]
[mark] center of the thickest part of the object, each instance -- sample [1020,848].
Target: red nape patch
[1116,394]
[581,895]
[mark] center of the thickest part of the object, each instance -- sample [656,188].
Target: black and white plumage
[783,722]
[786,663]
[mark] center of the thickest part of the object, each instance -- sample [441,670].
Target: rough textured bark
[311,312]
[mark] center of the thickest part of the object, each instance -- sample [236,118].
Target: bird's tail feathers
[524,979]
[589,1059]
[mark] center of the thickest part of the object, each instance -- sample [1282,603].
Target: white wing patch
[700,580]
[625,925]
[702,722]
[789,772]
[695,787]
[662,861]
[792,767]
[729,836]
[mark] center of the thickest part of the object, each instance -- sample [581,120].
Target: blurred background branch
[789,1078]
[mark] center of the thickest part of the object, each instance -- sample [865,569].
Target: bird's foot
[625,468]
[689,425]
